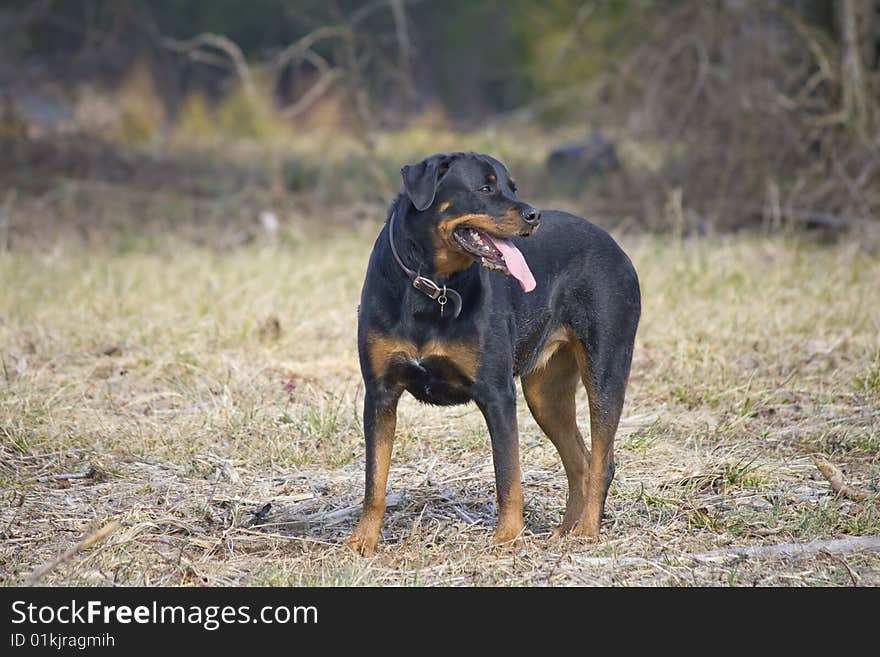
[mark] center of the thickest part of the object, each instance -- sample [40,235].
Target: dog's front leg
[380,421]
[499,409]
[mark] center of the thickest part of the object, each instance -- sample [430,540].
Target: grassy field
[209,400]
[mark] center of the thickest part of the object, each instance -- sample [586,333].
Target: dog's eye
[486,188]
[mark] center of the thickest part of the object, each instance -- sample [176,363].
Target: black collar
[425,285]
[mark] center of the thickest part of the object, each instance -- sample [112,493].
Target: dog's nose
[530,215]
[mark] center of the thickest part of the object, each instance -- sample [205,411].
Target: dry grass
[164,375]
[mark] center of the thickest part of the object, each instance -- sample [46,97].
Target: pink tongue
[516,263]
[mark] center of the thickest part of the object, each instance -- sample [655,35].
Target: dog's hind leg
[604,372]
[550,394]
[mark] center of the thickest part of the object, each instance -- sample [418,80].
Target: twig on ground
[391,502]
[87,542]
[226,468]
[91,473]
[835,477]
[210,499]
[789,550]
[852,576]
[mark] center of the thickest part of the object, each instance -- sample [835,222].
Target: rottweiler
[467,288]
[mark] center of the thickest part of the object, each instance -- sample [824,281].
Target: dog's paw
[508,535]
[559,532]
[362,544]
[583,530]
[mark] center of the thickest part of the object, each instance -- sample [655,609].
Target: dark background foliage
[677,114]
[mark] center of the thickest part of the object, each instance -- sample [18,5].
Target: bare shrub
[747,103]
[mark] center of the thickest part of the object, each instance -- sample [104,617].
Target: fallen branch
[87,542]
[295,519]
[815,217]
[835,477]
[225,467]
[828,219]
[790,550]
[332,517]
[785,550]
[853,577]
[91,473]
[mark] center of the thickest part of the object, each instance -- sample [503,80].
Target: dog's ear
[420,180]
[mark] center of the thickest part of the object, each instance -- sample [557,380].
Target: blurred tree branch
[855,105]
[195,48]
[354,49]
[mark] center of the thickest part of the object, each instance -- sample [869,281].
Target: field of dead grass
[209,400]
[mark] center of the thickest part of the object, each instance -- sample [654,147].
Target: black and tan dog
[437,320]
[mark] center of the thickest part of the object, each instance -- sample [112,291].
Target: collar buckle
[427,286]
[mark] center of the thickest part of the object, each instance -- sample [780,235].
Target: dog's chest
[436,372]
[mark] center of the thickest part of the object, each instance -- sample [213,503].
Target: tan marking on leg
[550,395]
[602,431]
[365,536]
[558,338]
[511,506]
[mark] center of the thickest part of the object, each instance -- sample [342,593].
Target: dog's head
[469,203]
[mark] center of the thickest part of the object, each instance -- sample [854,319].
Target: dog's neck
[414,248]
[412,236]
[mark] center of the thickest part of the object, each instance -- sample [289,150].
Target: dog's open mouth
[496,253]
